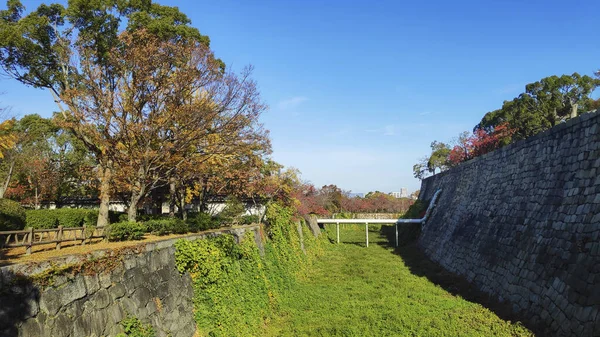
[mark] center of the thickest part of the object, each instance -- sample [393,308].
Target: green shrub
[126,230]
[75,217]
[66,217]
[201,222]
[115,216]
[12,215]
[91,218]
[154,226]
[42,218]
[148,217]
[220,221]
[249,219]
[167,226]
[133,327]
[180,227]
[234,208]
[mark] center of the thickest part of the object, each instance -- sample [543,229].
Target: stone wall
[523,224]
[139,281]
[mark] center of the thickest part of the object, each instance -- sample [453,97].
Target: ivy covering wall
[236,289]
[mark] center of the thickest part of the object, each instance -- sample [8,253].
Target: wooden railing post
[59,237]
[29,241]
[83,232]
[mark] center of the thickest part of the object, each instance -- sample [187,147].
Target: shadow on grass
[19,299]
[419,264]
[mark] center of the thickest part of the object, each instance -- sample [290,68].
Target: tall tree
[543,104]
[165,102]
[8,141]
[438,160]
[38,49]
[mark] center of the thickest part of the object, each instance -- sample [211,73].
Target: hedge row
[126,230]
[196,222]
[66,217]
[14,217]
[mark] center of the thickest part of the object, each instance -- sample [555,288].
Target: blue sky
[358,89]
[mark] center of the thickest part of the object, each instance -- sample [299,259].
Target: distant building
[402,194]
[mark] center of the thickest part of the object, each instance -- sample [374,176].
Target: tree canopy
[541,106]
[138,86]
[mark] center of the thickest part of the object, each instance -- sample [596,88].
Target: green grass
[356,291]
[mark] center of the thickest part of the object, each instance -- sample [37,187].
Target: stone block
[30,327]
[115,314]
[117,291]
[50,301]
[61,326]
[141,297]
[129,261]
[104,279]
[92,283]
[128,305]
[101,299]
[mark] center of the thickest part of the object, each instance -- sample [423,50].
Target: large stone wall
[140,281]
[523,224]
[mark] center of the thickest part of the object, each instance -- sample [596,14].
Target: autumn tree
[32,158]
[48,163]
[7,162]
[166,103]
[479,142]
[271,182]
[233,166]
[308,200]
[41,48]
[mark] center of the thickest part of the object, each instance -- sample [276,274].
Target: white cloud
[292,102]
[425,113]
[387,130]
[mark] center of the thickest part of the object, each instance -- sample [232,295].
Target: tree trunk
[554,117]
[133,204]
[138,191]
[7,181]
[203,195]
[574,110]
[105,177]
[172,197]
[182,207]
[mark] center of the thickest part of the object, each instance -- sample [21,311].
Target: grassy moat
[352,290]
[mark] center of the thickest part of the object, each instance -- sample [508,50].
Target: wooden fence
[33,237]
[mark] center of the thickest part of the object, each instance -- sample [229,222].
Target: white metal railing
[395,222]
